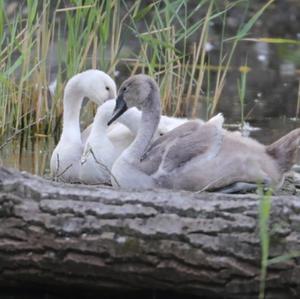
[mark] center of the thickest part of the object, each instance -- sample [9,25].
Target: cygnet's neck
[131,119]
[149,124]
[72,104]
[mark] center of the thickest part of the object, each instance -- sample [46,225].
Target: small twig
[104,166]
[68,167]
[57,169]
[298,102]
[57,164]
[9,139]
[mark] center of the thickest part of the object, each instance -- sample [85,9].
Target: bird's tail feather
[284,150]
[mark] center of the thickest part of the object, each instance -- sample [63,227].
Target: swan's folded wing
[204,144]
[153,157]
[181,145]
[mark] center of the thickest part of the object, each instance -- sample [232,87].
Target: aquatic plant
[242,91]
[169,40]
[264,216]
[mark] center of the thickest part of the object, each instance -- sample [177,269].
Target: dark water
[33,155]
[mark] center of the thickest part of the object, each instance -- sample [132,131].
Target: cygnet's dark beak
[120,108]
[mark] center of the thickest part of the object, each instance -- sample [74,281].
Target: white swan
[98,87]
[101,149]
[194,156]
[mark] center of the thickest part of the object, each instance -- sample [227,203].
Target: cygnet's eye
[124,88]
[106,87]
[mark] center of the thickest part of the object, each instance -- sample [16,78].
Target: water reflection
[31,154]
[263,52]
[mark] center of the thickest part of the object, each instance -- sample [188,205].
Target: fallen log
[101,239]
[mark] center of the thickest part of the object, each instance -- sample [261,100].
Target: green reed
[264,216]
[265,233]
[241,83]
[171,47]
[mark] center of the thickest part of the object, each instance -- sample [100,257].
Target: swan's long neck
[102,116]
[149,123]
[72,105]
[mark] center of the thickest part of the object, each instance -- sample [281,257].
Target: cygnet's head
[93,84]
[134,92]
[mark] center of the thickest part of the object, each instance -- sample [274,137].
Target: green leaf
[143,12]
[270,40]
[247,27]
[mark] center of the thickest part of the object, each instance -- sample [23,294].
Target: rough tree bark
[102,239]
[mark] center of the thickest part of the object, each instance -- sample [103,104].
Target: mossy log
[101,239]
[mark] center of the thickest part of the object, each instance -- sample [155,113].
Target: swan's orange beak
[120,108]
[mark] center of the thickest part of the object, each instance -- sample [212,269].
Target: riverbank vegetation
[169,40]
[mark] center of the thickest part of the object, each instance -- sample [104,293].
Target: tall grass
[264,216]
[265,237]
[242,92]
[169,41]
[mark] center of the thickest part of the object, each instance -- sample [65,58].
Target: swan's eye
[106,87]
[124,88]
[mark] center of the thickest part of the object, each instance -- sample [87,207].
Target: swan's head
[93,84]
[136,91]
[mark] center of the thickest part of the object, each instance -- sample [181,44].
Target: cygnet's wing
[179,146]
[168,123]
